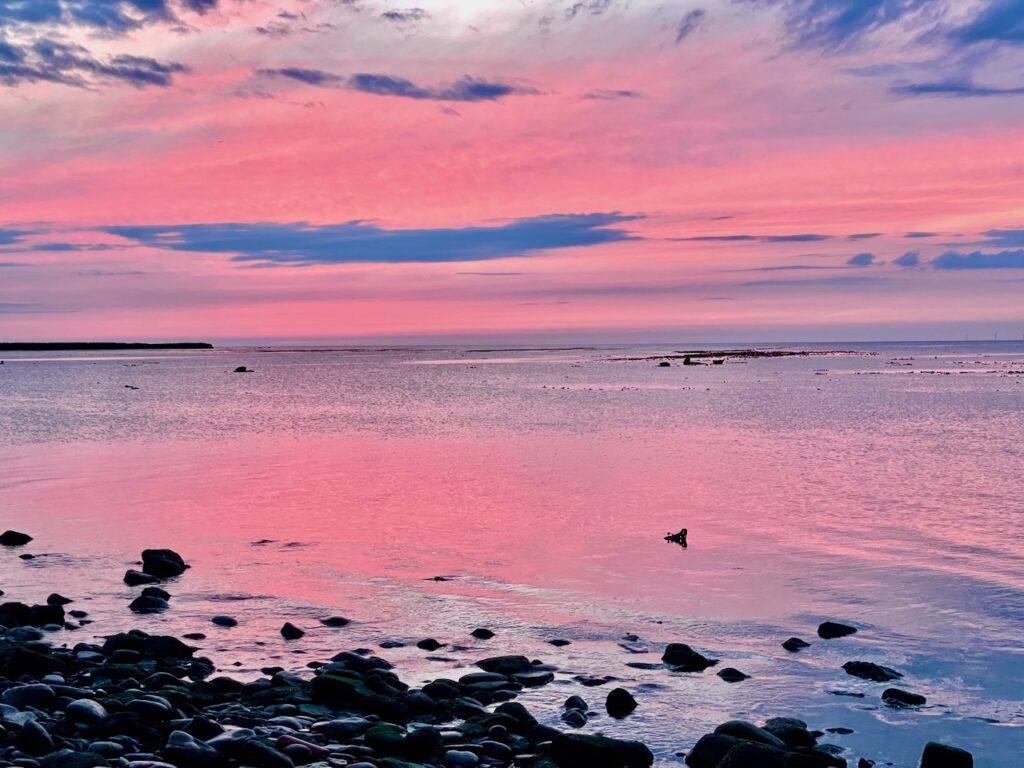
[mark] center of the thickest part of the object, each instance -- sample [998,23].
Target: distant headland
[76,346]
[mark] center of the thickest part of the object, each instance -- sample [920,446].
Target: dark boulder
[156,592]
[577,750]
[135,578]
[290,632]
[335,621]
[56,599]
[898,697]
[830,630]
[868,670]
[429,644]
[163,563]
[753,755]
[791,731]
[145,604]
[14,539]
[732,675]
[620,703]
[505,665]
[225,621]
[482,634]
[710,750]
[683,658]
[795,644]
[744,731]
[34,739]
[942,756]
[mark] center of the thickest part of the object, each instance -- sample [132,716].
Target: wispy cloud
[798,238]
[689,24]
[56,62]
[978,260]
[908,260]
[300,244]
[604,95]
[953,89]
[861,260]
[466,89]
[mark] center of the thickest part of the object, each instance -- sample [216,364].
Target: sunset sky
[524,169]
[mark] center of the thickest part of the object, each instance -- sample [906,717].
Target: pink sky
[699,170]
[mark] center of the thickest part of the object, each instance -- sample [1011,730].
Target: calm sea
[884,488]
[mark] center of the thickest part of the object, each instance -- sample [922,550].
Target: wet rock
[243,369]
[156,592]
[753,755]
[225,621]
[57,599]
[620,703]
[290,632]
[135,578]
[744,731]
[942,756]
[65,758]
[683,658]
[505,665]
[574,718]
[34,739]
[575,702]
[559,642]
[732,675]
[898,697]
[795,644]
[534,679]
[480,633]
[791,731]
[163,563]
[830,630]
[14,539]
[710,750]
[184,749]
[335,621]
[429,644]
[145,604]
[85,711]
[577,750]
[34,695]
[868,670]
[457,758]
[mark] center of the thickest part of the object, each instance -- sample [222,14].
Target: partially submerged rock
[943,756]
[683,658]
[830,630]
[14,539]
[163,563]
[868,670]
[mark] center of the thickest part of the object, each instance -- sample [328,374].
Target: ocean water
[882,488]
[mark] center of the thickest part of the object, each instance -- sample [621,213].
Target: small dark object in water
[718,361]
[794,644]
[897,697]
[664,364]
[14,539]
[243,369]
[677,538]
[688,361]
[943,756]
[290,632]
[830,630]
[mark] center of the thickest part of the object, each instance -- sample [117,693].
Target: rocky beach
[141,700]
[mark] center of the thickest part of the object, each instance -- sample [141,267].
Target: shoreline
[151,701]
[95,346]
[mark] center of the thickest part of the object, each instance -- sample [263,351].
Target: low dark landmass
[139,700]
[78,346]
[697,354]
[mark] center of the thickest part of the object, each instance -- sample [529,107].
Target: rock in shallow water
[795,644]
[290,632]
[577,750]
[868,670]
[14,539]
[684,659]
[225,621]
[942,756]
[830,630]
[898,697]
[732,675]
[163,563]
[145,604]
[620,703]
